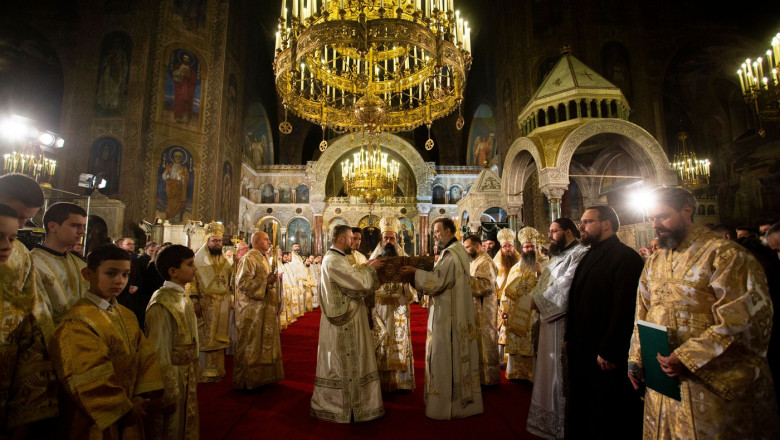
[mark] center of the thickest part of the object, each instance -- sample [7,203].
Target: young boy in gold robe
[106,366]
[172,328]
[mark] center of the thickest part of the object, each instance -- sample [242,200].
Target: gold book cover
[389,273]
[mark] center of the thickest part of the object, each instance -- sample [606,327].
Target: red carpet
[282,410]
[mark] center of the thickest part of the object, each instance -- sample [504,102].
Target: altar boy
[172,328]
[106,366]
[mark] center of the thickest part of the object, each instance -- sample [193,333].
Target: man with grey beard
[712,296]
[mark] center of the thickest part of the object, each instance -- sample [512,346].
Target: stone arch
[642,147]
[318,171]
[520,155]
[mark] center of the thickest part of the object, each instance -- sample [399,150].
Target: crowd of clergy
[113,345]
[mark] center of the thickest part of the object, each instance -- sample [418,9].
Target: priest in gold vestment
[346,383]
[211,294]
[712,296]
[28,392]
[505,259]
[520,319]
[394,356]
[59,271]
[172,328]
[483,289]
[258,356]
[452,387]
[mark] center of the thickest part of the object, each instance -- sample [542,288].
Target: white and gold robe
[59,276]
[546,416]
[516,303]
[258,357]
[483,290]
[213,293]
[172,328]
[712,296]
[452,387]
[27,390]
[346,384]
[394,355]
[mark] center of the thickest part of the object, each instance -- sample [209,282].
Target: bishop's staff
[275,267]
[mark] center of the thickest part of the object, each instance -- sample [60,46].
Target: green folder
[653,339]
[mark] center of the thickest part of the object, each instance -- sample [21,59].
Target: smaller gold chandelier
[693,172]
[761,88]
[370,175]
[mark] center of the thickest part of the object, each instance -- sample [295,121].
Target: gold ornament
[528,235]
[214,229]
[285,127]
[389,223]
[506,235]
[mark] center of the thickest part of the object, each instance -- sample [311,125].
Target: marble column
[423,209]
[554,194]
[283,237]
[318,208]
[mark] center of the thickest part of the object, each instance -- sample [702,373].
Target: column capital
[317,207]
[423,208]
[474,226]
[554,191]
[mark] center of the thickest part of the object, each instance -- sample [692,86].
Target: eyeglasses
[587,221]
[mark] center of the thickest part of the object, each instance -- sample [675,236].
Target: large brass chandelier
[371,65]
[760,86]
[694,173]
[369,175]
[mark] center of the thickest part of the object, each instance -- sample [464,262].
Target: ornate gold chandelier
[369,175]
[694,173]
[761,88]
[372,65]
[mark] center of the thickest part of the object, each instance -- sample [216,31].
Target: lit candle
[749,67]
[741,81]
[278,41]
[295,8]
[282,10]
[774,75]
[760,64]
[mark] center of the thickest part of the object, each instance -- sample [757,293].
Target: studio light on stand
[90,182]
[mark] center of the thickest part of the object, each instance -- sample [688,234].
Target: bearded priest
[210,294]
[483,289]
[346,383]
[516,305]
[394,356]
[505,259]
[452,387]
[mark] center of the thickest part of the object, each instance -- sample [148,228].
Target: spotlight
[90,181]
[60,142]
[641,200]
[46,139]
[13,129]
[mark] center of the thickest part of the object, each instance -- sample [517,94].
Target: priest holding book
[712,297]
